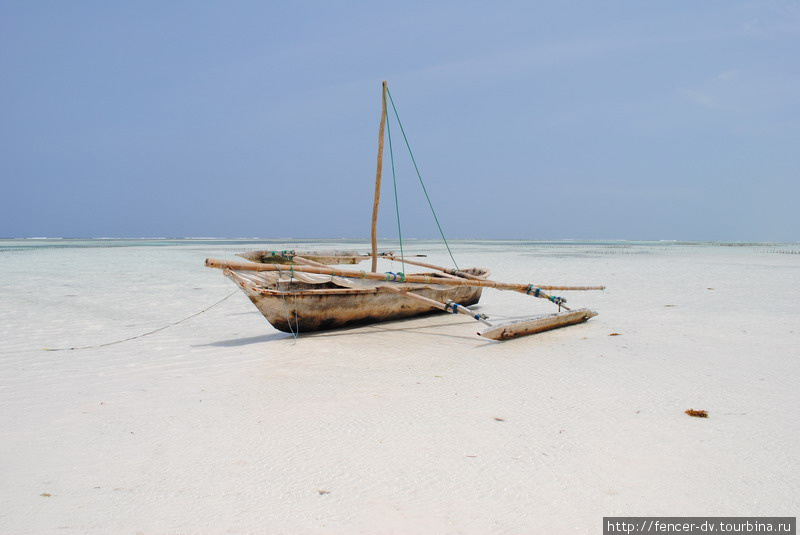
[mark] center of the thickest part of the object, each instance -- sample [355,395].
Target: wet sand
[222,424]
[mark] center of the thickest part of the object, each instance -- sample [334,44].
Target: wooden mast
[378,181]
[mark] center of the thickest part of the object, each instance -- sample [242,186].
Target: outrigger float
[300,292]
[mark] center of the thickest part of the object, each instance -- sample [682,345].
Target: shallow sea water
[223,424]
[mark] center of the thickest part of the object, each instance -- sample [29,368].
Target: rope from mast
[419,175]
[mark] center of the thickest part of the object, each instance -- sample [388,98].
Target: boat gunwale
[249,286]
[329,291]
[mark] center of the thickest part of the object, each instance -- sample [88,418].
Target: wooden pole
[416,279]
[456,273]
[445,270]
[378,180]
[452,308]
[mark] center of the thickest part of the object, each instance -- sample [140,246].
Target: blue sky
[529,120]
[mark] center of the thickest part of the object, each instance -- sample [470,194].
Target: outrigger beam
[451,307]
[411,278]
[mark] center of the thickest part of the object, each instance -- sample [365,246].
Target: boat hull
[306,313]
[308,310]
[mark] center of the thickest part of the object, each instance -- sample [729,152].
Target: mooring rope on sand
[143,334]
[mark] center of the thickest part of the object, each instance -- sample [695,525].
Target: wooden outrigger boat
[300,292]
[304,302]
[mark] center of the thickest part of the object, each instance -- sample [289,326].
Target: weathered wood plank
[538,324]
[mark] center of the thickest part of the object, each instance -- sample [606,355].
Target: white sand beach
[221,424]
